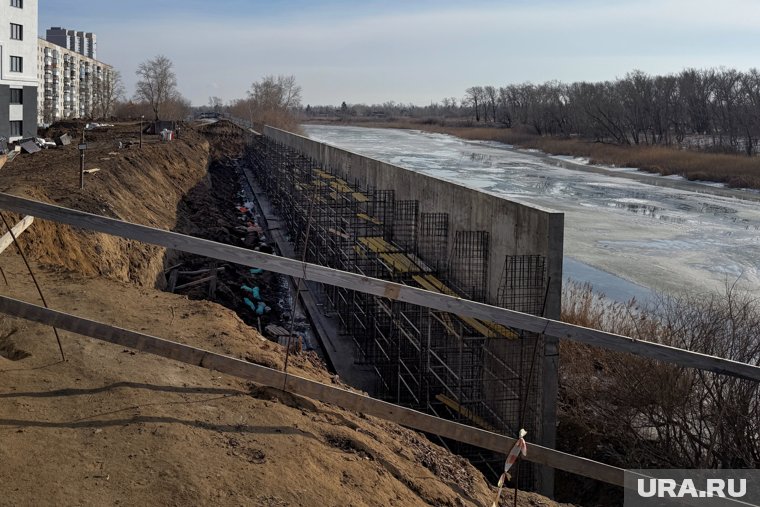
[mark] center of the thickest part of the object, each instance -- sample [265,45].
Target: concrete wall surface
[514,228]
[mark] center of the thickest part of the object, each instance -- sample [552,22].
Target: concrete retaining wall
[514,228]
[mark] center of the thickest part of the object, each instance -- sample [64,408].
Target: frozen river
[625,233]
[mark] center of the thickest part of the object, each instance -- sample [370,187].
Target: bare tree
[490,95]
[276,93]
[48,113]
[475,97]
[176,108]
[157,84]
[215,103]
[271,101]
[108,93]
[748,119]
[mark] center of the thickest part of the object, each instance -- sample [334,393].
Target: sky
[409,51]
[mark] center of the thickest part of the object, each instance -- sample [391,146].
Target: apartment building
[18,72]
[84,43]
[71,85]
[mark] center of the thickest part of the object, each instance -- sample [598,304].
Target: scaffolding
[468,265]
[473,371]
[434,240]
[523,283]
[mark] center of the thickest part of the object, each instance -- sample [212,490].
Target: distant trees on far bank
[711,109]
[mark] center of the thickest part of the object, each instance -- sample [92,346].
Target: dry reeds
[641,413]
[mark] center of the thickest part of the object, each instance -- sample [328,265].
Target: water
[626,237]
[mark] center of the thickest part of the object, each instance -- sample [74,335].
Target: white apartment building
[18,72]
[71,85]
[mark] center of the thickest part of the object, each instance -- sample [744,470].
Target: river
[626,233]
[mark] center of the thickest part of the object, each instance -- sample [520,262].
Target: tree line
[271,100]
[713,109]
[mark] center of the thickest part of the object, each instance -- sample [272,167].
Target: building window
[17,64]
[17,3]
[17,96]
[17,32]
[17,128]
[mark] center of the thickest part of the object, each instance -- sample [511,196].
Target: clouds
[411,51]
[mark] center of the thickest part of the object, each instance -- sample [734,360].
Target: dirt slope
[124,188]
[115,427]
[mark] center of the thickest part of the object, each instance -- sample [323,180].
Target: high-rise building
[84,43]
[71,85]
[18,72]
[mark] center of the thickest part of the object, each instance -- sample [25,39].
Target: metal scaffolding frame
[472,371]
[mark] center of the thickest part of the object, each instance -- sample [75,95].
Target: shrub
[642,413]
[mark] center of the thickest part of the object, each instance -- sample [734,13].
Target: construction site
[213,319]
[461,368]
[100,424]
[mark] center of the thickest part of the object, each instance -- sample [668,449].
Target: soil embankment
[112,426]
[142,186]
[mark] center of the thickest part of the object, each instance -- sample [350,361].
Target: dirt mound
[113,426]
[138,185]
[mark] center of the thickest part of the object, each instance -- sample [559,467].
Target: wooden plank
[382,288]
[172,281]
[309,388]
[168,270]
[195,283]
[201,271]
[214,275]
[466,412]
[431,283]
[7,239]
[276,330]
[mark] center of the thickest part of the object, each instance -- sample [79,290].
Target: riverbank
[735,171]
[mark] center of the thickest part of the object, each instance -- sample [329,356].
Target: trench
[219,208]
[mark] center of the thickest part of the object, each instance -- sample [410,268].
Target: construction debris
[63,140]
[30,147]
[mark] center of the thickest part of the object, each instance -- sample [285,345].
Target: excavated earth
[112,426]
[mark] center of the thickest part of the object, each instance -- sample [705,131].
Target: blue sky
[409,51]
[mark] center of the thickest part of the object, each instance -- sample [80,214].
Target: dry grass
[734,170]
[634,412]
[737,171]
[652,414]
[278,118]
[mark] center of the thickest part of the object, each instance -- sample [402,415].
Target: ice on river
[649,236]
